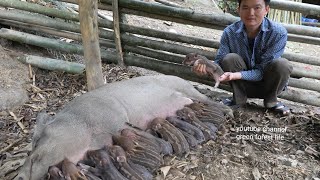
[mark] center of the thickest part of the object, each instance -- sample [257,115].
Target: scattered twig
[168,3]
[11,145]
[30,71]
[23,128]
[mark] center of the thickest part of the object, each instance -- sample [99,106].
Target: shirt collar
[264,26]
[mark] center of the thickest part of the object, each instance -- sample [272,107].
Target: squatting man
[250,55]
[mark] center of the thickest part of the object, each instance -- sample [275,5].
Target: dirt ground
[256,144]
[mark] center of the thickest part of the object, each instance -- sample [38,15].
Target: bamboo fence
[285,16]
[149,48]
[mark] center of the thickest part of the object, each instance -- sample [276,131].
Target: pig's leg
[120,160]
[71,171]
[187,127]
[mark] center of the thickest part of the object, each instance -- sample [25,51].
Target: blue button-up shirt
[269,44]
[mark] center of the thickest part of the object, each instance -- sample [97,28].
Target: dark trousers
[274,80]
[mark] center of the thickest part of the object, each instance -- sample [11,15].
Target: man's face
[252,13]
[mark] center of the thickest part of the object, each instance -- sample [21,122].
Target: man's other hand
[199,69]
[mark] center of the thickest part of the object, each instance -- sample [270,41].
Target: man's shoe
[281,109]
[231,103]
[228,101]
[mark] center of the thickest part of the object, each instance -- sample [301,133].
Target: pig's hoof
[189,115]
[187,127]
[171,134]
[104,164]
[139,153]
[119,158]
[71,172]
[208,113]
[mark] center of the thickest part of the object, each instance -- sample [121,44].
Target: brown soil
[291,154]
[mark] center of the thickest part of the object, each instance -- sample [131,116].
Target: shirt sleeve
[273,51]
[223,48]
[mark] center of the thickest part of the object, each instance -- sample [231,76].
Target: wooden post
[88,12]
[116,28]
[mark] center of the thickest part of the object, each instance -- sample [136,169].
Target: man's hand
[199,69]
[229,76]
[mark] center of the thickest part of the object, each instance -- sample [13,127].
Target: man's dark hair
[267,2]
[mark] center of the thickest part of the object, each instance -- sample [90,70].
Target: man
[250,54]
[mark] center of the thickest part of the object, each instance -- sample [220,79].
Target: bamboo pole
[181,13]
[154,16]
[116,29]
[55,32]
[160,55]
[302,58]
[168,3]
[89,29]
[303,83]
[31,7]
[304,39]
[303,8]
[305,70]
[311,24]
[53,64]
